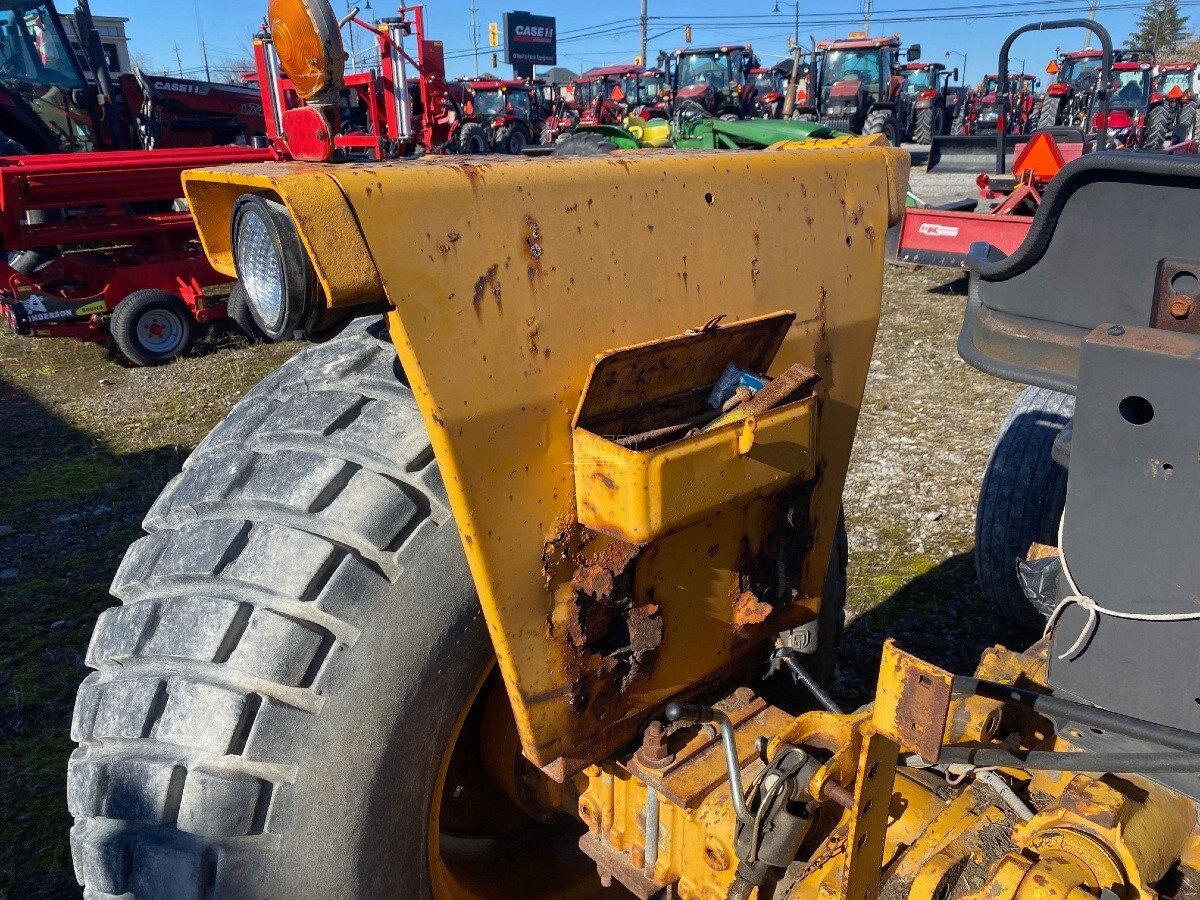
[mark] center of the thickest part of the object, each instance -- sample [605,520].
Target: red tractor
[1129,109]
[714,81]
[499,116]
[933,106]
[1070,95]
[771,88]
[1022,105]
[646,93]
[614,90]
[859,87]
[48,104]
[557,103]
[1172,105]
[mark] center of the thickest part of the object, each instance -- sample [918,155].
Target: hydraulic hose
[695,714]
[1056,707]
[1055,761]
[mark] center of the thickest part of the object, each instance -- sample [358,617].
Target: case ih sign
[529,40]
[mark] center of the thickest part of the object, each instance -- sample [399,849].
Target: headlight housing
[273,267]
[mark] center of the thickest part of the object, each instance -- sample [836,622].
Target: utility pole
[796,13]
[178,61]
[350,32]
[1087,34]
[200,34]
[645,22]
[475,38]
[867,16]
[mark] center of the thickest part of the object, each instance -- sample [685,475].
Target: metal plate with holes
[1177,296]
[868,825]
[912,702]
[1133,496]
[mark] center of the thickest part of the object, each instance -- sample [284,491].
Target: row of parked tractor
[1150,105]
[93,166]
[861,85]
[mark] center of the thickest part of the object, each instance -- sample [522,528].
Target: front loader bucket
[968,154]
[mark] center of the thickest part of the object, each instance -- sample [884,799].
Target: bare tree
[232,69]
[140,59]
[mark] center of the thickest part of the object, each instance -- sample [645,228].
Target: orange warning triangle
[1040,157]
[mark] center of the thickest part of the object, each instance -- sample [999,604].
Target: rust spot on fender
[474,174]
[533,247]
[486,281]
[614,634]
[749,610]
[532,335]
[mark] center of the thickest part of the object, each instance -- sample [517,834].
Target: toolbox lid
[647,373]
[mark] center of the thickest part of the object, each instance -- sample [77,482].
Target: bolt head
[1180,306]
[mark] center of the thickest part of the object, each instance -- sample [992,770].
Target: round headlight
[273,267]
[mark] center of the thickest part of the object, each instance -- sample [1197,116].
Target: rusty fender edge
[329,228]
[322,213]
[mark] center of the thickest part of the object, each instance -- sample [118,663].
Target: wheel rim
[159,330]
[517,143]
[466,867]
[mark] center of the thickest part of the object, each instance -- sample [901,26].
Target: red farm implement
[99,246]
[131,251]
[403,110]
[942,236]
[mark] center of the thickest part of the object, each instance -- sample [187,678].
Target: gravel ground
[88,444]
[926,429]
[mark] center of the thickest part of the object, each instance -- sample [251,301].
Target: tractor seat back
[1114,241]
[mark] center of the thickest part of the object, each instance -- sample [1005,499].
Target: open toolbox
[670,431]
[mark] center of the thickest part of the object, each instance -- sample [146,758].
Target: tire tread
[1021,498]
[214,659]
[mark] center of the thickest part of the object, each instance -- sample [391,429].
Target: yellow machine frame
[507,279]
[526,368]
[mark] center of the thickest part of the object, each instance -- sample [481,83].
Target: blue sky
[597,33]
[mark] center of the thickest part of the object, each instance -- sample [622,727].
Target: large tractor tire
[472,138]
[1159,126]
[583,143]
[929,123]
[1021,500]
[1185,127]
[237,308]
[883,121]
[1048,114]
[512,139]
[1035,116]
[959,126]
[152,327]
[299,637]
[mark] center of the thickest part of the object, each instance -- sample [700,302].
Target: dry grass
[927,426]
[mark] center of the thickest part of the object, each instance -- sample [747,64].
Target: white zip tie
[1094,609]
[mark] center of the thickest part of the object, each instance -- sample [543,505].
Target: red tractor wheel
[472,138]
[152,327]
[512,139]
